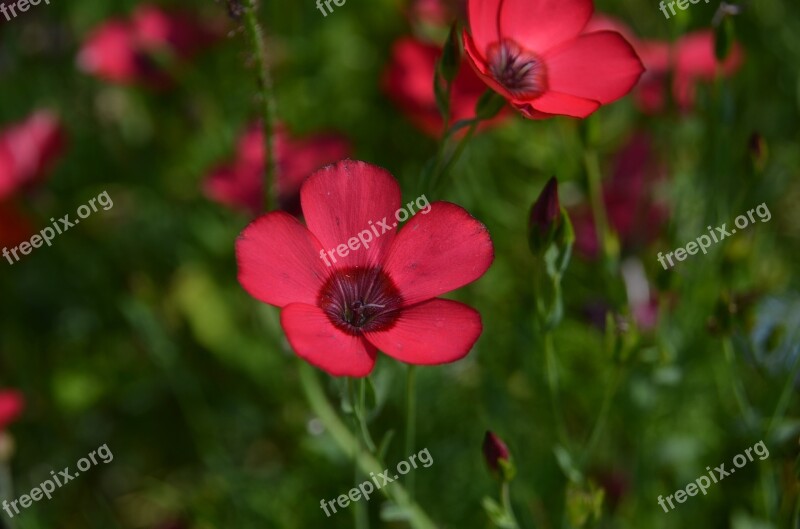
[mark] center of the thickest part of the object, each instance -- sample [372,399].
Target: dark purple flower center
[520,71]
[359,300]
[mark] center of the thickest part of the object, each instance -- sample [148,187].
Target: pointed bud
[758,150]
[545,217]
[496,454]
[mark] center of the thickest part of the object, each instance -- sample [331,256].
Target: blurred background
[131,330]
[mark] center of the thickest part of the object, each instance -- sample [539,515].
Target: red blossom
[689,60]
[122,50]
[240,184]
[28,149]
[408,81]
[536,54]
[11,405]
[379,296]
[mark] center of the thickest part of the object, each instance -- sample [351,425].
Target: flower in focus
[11,406]
[240,184]
[536,55]
[408,81]
[628,195]
[337,313]
[28,149]
[125,51]
[689,60]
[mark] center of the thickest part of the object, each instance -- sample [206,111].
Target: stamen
[520,71]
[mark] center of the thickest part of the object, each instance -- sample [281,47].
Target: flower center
[521,72]
[358,300]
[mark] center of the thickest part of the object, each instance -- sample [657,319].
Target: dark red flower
[536,55]
[408,81]
[27,150]
[122,51]
[240,184]
[494,450]
[632,209]
[382,296]
[690,60]
[11,405]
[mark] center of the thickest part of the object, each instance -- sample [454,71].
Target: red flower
[409,83]
[11,406]
[381,296]
[690,60]
[436,12]
[27,150]
[629,199]
[121,51]
[535,54]
[241,184]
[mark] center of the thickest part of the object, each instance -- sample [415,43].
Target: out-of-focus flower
[690,59]
[536,55]
[338,313]
[11,405]
[14,226]
[629,198]
[28,149]
[125,51]
[240,184]
[436,12]
[408,81]
[494,451]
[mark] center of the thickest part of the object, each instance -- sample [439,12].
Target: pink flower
[409,83]
[379,296]
[122,51]
[536,54]
[27,150]
[240,184]
[11,406]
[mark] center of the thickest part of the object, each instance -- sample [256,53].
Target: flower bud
[545,217]
[496,454]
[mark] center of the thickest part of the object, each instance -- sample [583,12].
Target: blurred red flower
[536,55]
[689,60]
[382,296]
[124,51]
[408,81]
[11,405]
[632,209]
[240,184]
[436,12]
[28,149]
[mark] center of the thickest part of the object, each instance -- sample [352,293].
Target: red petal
[481,69]
[602,66]
[318,342]
[346,199]
[437,252]
[554,103]
[540,25]
[483,22]
[435,332]
[279,260]
[11,405]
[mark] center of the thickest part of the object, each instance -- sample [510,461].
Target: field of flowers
[515,264]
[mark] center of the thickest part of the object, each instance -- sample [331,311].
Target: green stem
[411,422]
[604,237]
[602,419]
[736,384]
[553,387]
[438,177]
[418,519]
[360,517]
[506,499]
[256,34]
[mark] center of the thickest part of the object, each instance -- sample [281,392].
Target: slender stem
[736,383]
[411,422]
[602,419]
[256,34]
[417,518]
[438,175]
[599,213]
[506,499]
[360,517]
[362,416]
[553,387]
